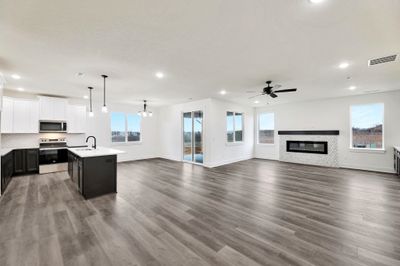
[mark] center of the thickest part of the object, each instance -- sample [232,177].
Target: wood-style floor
[254,212]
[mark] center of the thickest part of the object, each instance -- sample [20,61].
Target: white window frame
[258,129]
[234,128]
[126,142]
[368,150]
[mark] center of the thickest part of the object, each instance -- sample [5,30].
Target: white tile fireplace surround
[330,159]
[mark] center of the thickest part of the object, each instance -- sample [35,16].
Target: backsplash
[32,140]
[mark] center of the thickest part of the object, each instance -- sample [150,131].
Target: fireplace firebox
[319,147]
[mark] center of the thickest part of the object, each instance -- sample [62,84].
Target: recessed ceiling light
[80,74]
[352,88]
[256,101]
[223,92]
[344,65]
[159,75]
[15,76]
[20,89]
[85,97]
[316,1]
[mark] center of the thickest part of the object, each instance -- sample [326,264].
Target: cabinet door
[59,109]
[33,117]
[45,108]
[19,161]
[76,118]
[81,116]
[21,123]
[7,115]
[26,117]
[32,160]
[72,125]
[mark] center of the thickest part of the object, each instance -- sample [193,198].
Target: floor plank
[255,212]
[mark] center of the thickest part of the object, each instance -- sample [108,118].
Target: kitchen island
[93,171]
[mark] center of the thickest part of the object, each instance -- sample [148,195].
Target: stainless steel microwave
[52,126]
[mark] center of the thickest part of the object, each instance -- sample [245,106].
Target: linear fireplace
[319,147]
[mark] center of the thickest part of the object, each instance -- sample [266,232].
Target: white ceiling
[201,46]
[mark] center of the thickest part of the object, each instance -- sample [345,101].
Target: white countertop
[4,151]
[99,151]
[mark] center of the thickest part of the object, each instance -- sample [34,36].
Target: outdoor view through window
[125,127]
[234,127]
[266,126]
[367,126]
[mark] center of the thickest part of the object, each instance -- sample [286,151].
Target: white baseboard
[224,162]
[368,168]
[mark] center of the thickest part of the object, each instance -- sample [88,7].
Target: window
[266,127]
[234,127]
[125,127]
[367,126]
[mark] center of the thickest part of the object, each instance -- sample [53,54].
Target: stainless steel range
[53,155]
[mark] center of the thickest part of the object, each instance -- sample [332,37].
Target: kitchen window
[125,128]
[234,127]
[367,126]
[266,128]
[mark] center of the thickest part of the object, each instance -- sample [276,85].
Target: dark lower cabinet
[31,160]
[18,162]
[26,161]
[93,176]
[7,170]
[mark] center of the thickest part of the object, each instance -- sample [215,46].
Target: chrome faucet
[94,141]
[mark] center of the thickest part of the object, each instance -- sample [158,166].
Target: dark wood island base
[93,176]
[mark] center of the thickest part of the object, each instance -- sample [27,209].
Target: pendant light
[91,114]
[104,108]
[145,112]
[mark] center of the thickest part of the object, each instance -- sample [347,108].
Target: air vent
[382,60]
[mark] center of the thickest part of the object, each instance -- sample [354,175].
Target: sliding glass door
[193,136]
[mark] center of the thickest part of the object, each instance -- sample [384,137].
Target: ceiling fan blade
[256,96]
[287,90]
[273,95]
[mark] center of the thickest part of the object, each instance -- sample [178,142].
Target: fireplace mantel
[309,132]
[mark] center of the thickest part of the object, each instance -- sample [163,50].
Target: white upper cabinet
[23,115]
[19,116]
[76,118]
[7,115]
[51,108]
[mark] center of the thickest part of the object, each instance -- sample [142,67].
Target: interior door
[193,137]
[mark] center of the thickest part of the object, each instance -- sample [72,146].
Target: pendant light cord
[90,90]
[104,89]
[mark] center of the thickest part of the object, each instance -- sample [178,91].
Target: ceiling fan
[271,90]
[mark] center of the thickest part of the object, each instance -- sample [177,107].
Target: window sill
[234,143]
[266,144]
[366,150]
[126,143]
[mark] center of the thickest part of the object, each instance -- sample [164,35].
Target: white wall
[333,114]
[216,149]
[100,127]
[222,152]
[170,129]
